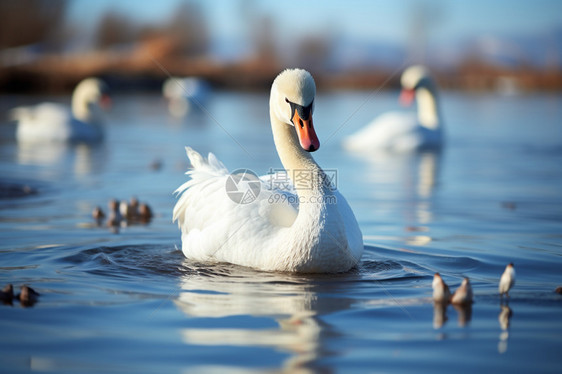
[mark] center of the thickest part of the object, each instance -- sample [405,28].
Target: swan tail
[194,157]
[211,163]
[350,143]
[203,173]
[19,113]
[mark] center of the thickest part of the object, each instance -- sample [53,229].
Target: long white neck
[428,111]
[86,111]
[295,159]
[315,214]
[80,109]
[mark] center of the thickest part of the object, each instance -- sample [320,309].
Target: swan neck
[428,111]
[80,109]
[296,160]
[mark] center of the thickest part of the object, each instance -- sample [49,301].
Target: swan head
[292,103]
[88,94]
[414,77]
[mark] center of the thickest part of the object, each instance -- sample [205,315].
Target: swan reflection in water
[81,159]
[408,178]
[291,302]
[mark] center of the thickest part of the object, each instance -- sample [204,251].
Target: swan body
[50,122]
[304,230]
[404,132]
[507,280]
[182,93]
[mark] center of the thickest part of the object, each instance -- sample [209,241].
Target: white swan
[404,132]
[316,234]
[50,122]
[182,93]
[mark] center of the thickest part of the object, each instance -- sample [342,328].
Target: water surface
[128,300]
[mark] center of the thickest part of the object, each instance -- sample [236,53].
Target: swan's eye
[287,100]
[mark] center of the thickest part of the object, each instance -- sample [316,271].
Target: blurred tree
[25,22]
[114,28]
[314,52]
[188,27]
[263,39]
[424,18]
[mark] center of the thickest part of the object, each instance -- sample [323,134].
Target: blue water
[128,300]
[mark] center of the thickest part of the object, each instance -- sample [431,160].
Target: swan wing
[47,121]
[352,230]
[219,224]
[391,131]
[284,191]
[280,193]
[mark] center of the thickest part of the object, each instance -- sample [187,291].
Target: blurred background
[120,295]
[505,45]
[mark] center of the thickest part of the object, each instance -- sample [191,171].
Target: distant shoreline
[139,70]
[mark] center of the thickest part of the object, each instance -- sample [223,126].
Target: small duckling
[98,214]
[145,213]
[115,217]
[463,294]
[7,294]
[124,208]
[28,296]
[441,292]
[130,211]
[155,165]
[507,280]
[133,209]
[558,290]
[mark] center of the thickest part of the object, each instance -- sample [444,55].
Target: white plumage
[404,131]
[50,122]
[441,292]
[183,93]
[463,294]
[308,230]
[507,280]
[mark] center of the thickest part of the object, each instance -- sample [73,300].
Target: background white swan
[403,131]
[50,122]
[183,93]
[319,233]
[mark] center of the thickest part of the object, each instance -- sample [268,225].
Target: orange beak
[407,97]
[105,102]
[305,131]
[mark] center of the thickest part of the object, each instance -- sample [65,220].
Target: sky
[384,20]
[511,28]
